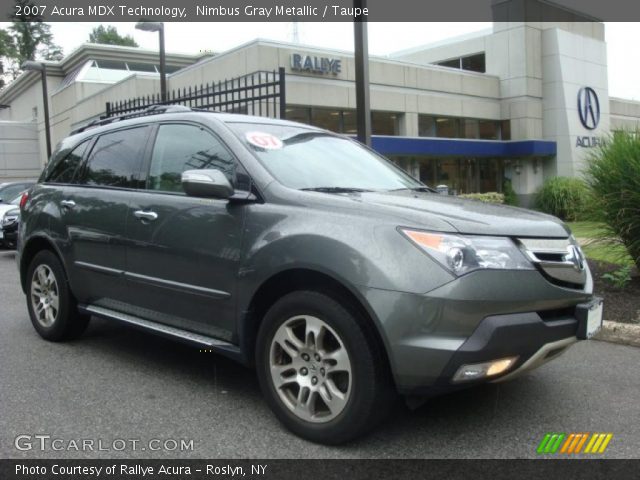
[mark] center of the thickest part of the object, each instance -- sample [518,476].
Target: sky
[384,38]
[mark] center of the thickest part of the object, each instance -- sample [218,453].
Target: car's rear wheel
[52,307]
[321,371]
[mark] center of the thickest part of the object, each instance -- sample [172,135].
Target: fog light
[481,370]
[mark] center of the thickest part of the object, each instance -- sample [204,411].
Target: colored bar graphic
[566,445]
[543,443]
[605,443]
[572,443]
[584,439]
[550,443]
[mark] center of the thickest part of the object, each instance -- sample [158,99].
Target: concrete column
[408,124]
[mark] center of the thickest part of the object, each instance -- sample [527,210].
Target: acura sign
[588,108]
[589,113]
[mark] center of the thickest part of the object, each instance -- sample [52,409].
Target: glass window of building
[474,63]
[384,123]
[489,130]
[141,67]
[426,126]
[490,173]
[471,63]
[505,130]
[447,127]
[299,114]
[325,118]
[343,121]
[349,122]
[470,128]
[453,63]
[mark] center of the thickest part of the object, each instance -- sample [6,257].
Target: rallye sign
[313,64]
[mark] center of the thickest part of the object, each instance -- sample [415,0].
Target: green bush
[563,197]
[489,197]
[613,173]
[510,197]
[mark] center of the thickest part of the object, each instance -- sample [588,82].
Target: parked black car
[9,228]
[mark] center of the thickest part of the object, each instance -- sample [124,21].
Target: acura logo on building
[588,108]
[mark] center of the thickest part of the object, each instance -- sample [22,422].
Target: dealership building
[524,101]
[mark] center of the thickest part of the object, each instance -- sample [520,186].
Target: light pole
[157,27]
[361,57]
[30,65]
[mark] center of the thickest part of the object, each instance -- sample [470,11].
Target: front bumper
[10,234]
[483,316]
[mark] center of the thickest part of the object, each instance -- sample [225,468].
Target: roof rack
[152,110]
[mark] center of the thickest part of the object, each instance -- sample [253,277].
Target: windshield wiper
[416,189]
[335,189]
[305,136]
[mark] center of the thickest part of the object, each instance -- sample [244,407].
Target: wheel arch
[30,249]
[295,279]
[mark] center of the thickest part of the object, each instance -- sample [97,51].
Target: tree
[7,51]
[110,36]
[27,38]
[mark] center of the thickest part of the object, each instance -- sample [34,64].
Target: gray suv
[342,279]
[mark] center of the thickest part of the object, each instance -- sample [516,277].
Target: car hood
[465,216]
[5,207]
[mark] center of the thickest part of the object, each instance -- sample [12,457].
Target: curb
[622,333]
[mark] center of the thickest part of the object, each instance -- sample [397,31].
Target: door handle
[68,204]
[146,215]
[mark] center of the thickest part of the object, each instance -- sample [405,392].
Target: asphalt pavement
[118,386]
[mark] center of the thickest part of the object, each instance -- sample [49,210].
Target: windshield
[310,159]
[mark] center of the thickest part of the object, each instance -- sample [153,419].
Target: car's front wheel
[320,368]
[51,304]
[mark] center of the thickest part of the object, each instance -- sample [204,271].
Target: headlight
[9,220]
[464,254]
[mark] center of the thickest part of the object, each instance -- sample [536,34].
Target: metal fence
[259,93]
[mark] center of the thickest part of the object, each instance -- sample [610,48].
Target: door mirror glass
[206,183]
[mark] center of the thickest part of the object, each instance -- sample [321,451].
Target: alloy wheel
[45,298]
[310,369]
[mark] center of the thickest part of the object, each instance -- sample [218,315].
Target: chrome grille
[561,260]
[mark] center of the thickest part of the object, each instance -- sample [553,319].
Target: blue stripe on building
[445,147]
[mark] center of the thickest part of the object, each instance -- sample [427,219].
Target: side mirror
[206,183]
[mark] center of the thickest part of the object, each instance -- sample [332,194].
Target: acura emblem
[575,256]
[588,108]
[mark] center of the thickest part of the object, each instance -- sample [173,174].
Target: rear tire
[321,370]
[52,307]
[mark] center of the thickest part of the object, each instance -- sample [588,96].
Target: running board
[204,341]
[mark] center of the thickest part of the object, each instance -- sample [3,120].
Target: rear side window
[65,169]
[181,147]
[116,158]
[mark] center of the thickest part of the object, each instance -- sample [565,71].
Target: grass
[588,233]
[586,229]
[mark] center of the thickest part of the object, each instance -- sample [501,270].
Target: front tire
[52,307]
[320,369]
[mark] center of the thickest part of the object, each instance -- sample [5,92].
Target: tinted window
[186,147]
[65,169]
[116,158]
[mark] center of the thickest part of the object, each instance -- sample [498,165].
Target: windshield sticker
[264,140]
